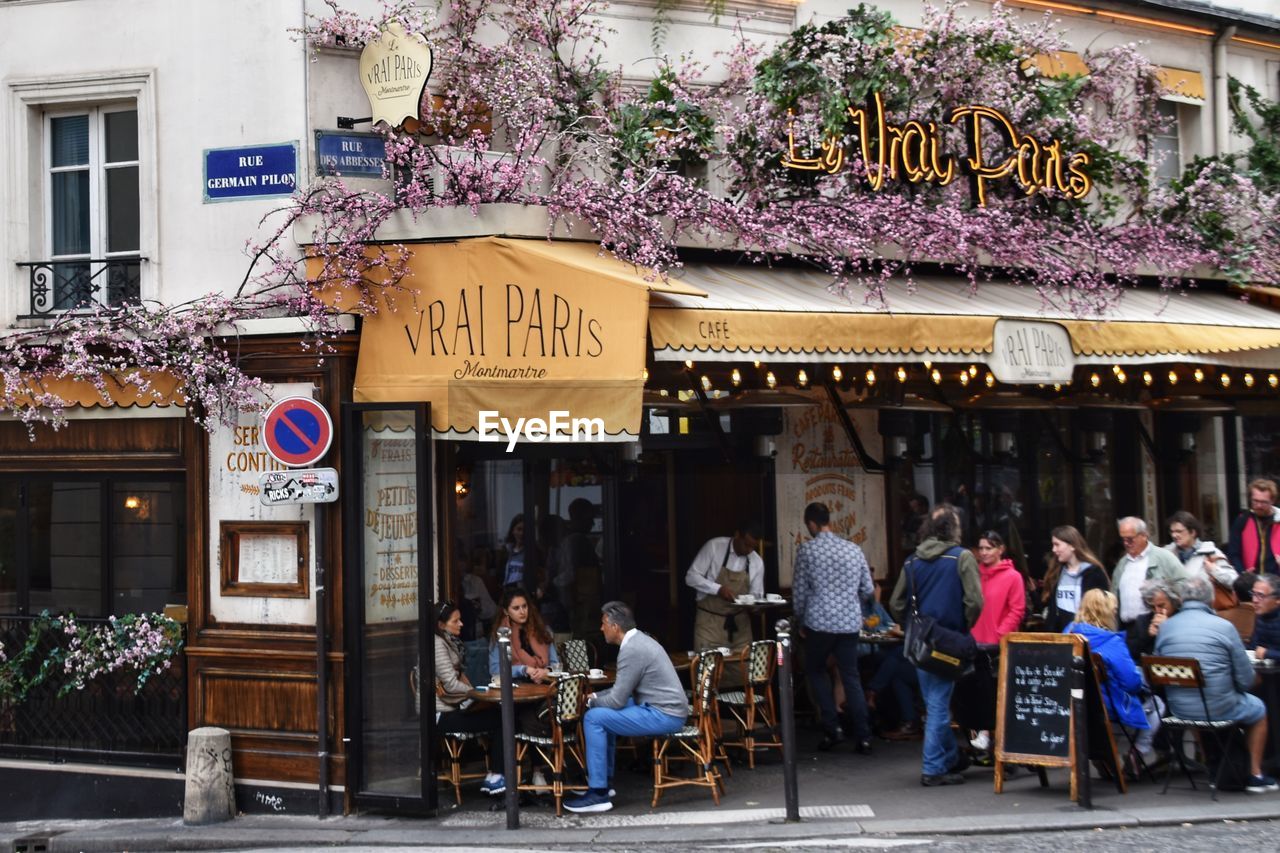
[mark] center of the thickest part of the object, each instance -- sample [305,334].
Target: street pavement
[848,801]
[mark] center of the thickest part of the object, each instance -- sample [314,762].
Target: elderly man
[646,700]
[1266,627]
[1196,632]
[1255,535]
[1142,561]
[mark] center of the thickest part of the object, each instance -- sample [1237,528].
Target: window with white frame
[1165,147]
[92,207]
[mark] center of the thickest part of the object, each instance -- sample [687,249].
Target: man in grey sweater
[646,700]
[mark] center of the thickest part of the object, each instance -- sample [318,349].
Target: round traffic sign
[297,431]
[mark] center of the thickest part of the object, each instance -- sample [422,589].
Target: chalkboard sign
[1050,712]
[1037,709]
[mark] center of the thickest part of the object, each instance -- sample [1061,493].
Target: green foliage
[1263,158]
[664,126]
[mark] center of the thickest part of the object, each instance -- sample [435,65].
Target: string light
[1095,380]
[802,378]
[735,377]
[1057,386]
[771,380]
[928,365]
[837,374]
[706,383]
[1147,378]
[1273,380]
[990,380]
[1115,368]
[871,376]
[964,377]
[1173,377]
[646,375]
[973,371]
[936,376]
[1122,377]
[756,363]
[901,373]
[1248,380]
[688,365]
[1198,374]
[1225,379]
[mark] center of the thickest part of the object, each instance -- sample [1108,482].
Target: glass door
[388,588]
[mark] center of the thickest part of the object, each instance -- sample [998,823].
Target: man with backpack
[939,581]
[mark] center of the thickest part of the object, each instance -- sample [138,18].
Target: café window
[94,546]
[1165,146]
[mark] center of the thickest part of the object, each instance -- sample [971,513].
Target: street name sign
[312,486]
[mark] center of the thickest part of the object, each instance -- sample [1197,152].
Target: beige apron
[709,629]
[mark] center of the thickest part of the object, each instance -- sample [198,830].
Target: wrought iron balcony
[59,286]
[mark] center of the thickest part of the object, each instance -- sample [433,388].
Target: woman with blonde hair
[1074,571]
[1128,702]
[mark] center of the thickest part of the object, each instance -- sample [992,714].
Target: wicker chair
[575,656]
[1165,672]
[753,705]
[698,741]
[567,705]
[453,745]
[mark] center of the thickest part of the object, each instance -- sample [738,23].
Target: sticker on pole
[297,431]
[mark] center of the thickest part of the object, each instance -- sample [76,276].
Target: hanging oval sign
[393,71]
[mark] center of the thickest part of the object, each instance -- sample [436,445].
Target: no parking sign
[297,431]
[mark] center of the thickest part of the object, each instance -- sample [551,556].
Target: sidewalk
[840,794]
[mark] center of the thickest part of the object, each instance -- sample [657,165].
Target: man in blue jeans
[944,579]
[646,700]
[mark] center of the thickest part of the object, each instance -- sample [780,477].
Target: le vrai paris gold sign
[912,151]
[393,70]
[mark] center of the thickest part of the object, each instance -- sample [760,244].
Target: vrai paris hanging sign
[393,71]
[912,151]
[1029,352]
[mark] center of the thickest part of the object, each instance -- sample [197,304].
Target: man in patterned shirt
[831,581]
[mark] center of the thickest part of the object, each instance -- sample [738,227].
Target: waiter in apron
[725,568]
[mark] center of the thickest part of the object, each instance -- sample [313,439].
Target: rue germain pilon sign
[912,151]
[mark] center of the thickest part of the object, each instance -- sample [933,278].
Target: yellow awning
[791,315]
[520,328]
[1182,83]
[122,390]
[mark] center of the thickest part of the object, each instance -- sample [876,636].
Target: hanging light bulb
[871,376]
[1147,378]
[1173,377]
[1057,386]
[973,371]
[706,383]
[990,380]
[928,365]
[735,378]
[771,380]
[1273,380]
[1225,379]
[936,375]
[1115,368]
[1121,377]
[688,365]
[964,377]
[1095,380]
[901,373]
[802,378]
[646,375]
[1248,380]
[756,363]
[836,373]
[1198,375]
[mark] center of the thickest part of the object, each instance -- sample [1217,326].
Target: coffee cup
[773,596]
[496,681]
[596,673]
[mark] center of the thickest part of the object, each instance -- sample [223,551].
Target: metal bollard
[788,722]
[508,728]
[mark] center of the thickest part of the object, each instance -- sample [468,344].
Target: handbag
[1224,597]
[933,647]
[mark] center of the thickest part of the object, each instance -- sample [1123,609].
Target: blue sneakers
[493,786]
[1261,785]
[593,800]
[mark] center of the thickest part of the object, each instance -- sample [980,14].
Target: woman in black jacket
[1073,571]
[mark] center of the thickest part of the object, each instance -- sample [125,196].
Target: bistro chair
[575,656]
[754,703]
[567,704]
[1166,672]
[698,740]
[1139,765]
[454,743]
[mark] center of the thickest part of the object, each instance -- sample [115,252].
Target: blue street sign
[356,155]
[259,171]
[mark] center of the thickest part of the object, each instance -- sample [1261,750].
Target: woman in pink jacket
[1004,601]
